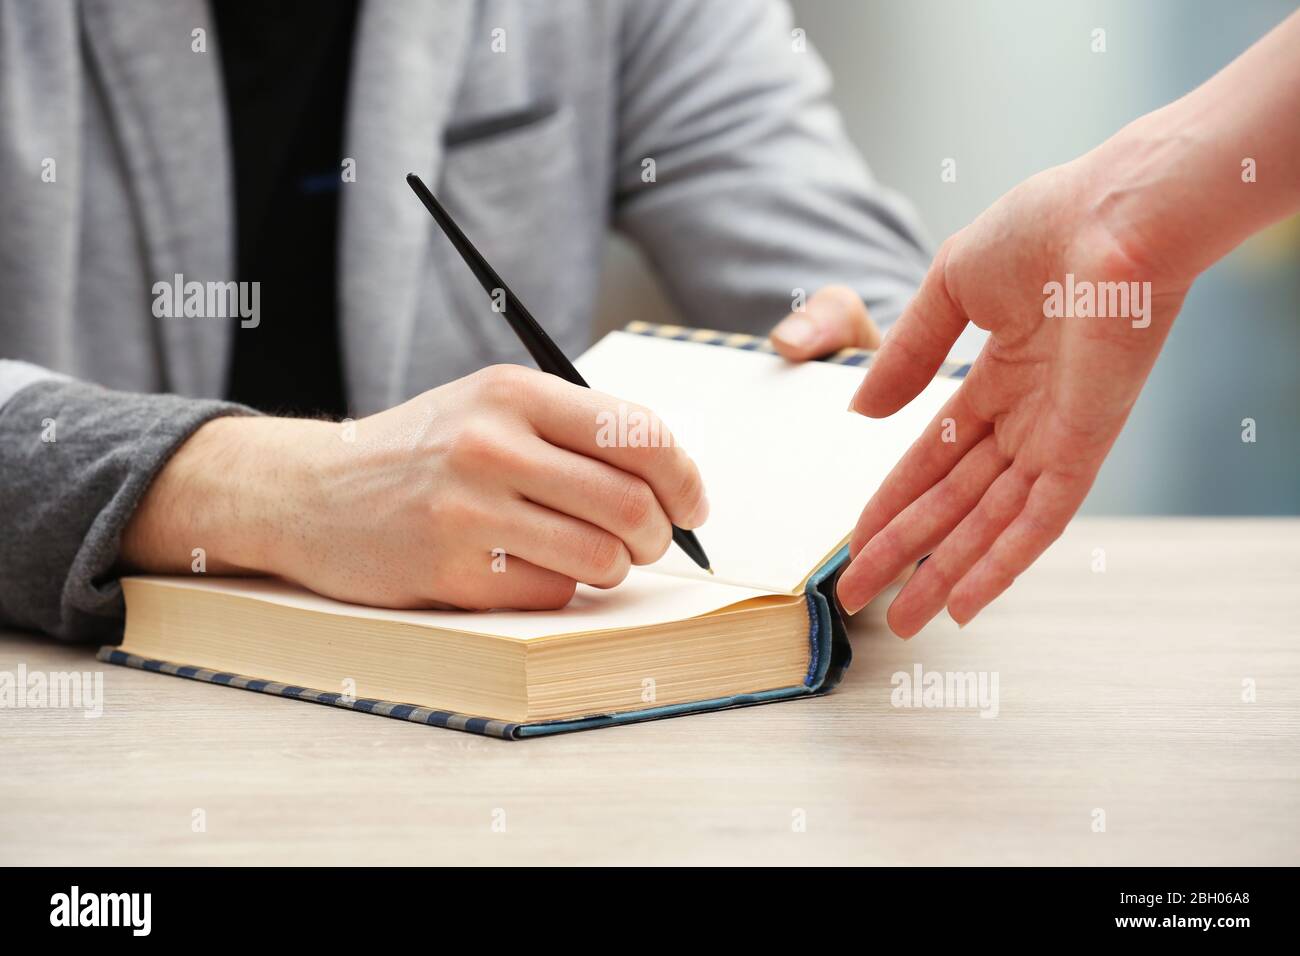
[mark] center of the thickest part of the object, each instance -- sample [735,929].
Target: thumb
[834,318]
[916,346]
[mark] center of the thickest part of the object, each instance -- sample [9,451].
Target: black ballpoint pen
[541,346]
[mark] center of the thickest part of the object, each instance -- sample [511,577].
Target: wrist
[1177,187]
[226,496]
[1138,191]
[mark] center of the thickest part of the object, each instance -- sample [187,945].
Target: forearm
[227,498]
[1186,184]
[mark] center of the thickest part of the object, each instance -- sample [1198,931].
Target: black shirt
[286,65]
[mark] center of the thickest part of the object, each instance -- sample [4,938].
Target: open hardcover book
[787,470]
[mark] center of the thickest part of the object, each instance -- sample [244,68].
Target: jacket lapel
[406,69]
[167,106]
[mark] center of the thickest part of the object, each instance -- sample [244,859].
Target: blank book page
[786,467]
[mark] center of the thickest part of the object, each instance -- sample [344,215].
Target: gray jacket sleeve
[75,460]
[757,190]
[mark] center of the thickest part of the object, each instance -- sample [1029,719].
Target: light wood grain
[1119,690]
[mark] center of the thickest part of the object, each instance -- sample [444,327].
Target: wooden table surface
[1119,691]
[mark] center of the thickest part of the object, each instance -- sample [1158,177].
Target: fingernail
[796,331]
[849,609]
[857,394]
[700,514]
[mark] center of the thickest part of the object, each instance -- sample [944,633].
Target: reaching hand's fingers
[915,347]
[946,440]
[1051,504]
[926,593]
[921,527]
[834,318]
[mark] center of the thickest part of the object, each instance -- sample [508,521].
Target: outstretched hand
[999,472]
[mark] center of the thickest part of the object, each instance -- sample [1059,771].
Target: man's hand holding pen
[491,491]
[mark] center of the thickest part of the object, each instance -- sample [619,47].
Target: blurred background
[1010,87]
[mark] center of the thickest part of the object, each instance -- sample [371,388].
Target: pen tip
[710,570]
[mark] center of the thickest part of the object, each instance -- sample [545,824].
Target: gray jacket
[534,122]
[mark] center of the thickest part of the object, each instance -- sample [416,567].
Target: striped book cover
[830,656]
[760,343]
